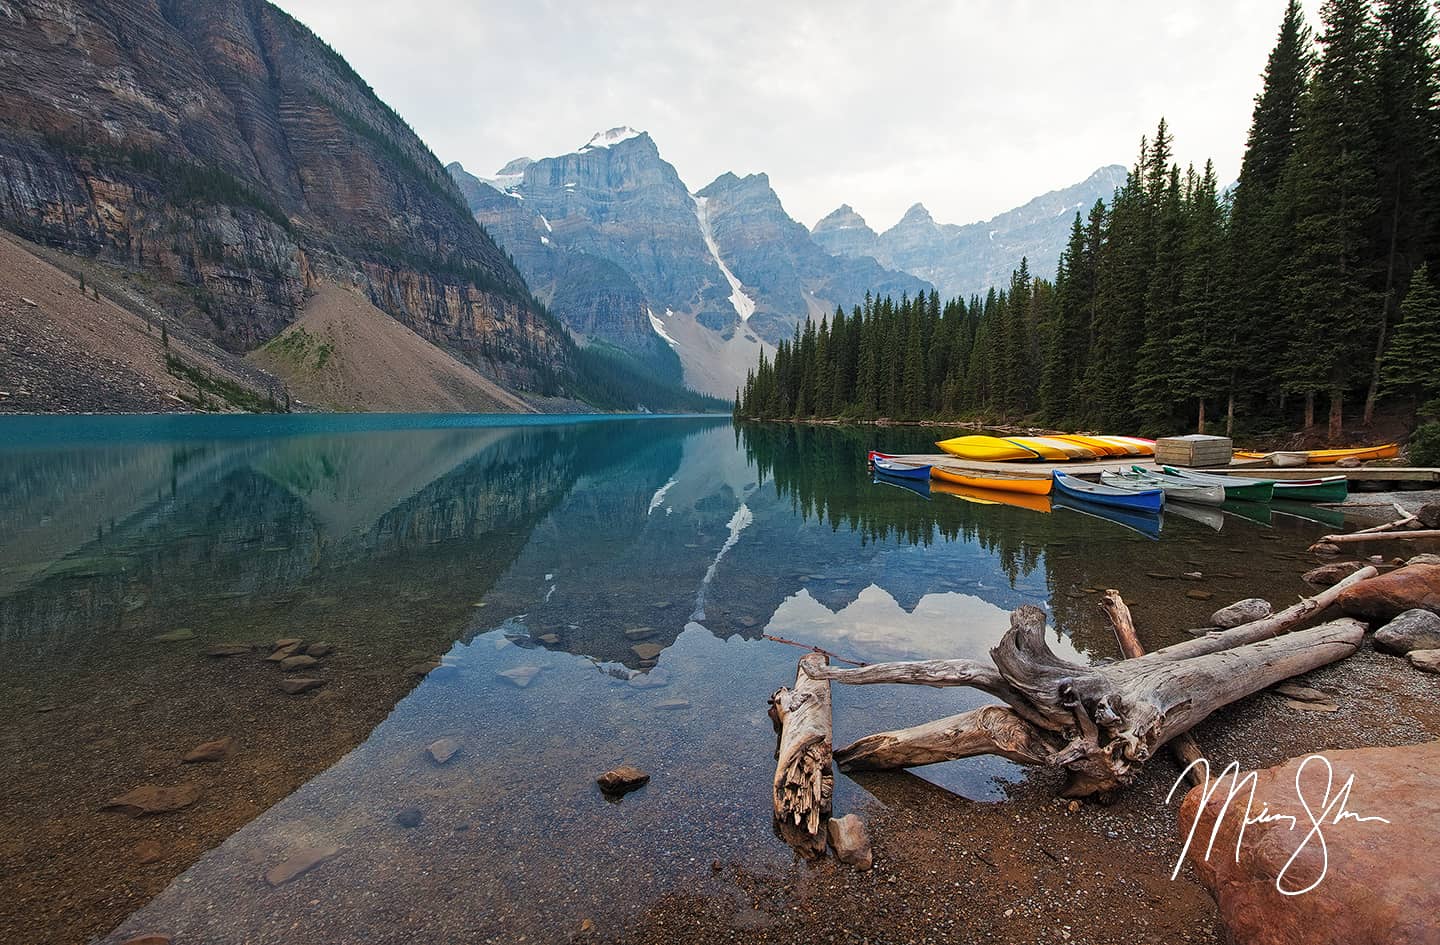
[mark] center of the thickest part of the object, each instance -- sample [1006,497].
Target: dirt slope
[346,354]
[64,351]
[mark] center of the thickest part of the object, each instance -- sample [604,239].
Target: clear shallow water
[495,546]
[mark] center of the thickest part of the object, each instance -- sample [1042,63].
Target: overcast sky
[969,106]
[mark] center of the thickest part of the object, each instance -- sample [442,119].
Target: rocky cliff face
[790,273]
[621,250]
[969,259]
[219,146]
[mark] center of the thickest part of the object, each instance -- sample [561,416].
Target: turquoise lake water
[625,569]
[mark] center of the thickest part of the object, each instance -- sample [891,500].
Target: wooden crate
[1193,450]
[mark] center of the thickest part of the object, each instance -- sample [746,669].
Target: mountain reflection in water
[594,592]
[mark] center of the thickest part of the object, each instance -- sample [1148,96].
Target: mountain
[220,157]
[623,252]
[970,259]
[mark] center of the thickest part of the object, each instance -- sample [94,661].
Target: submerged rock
[647,651]
[298,684]
[1412,630]
[1241,612]
[850,841]
[653,679]
[1328,575]
[283,653]
[299,863]
[409,818]
[318,650]
[422,669]
[671,705]
[291,663]
[155,799]
[1389,595]
[1197,594]
[175,636]
[443,749]
[622,780]
[1363,897]
[520,676]
[639,633]
[286,642]
[216,750]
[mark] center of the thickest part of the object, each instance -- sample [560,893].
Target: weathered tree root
[1100,723]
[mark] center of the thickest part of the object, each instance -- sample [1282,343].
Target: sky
[970,106]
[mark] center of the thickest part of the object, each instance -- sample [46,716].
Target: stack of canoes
[1056,448]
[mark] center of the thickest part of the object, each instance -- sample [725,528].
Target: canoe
[1236,487]
[1173,487]
[998,482]
[986,449]
[872,455]
[1383,451]
[898,470]
[1133,445]
[1328,489]
[1099,445]
[1145,523]
[1019,500]
[1053,448]
[1147,500]
[922,489]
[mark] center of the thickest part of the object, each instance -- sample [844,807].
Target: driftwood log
[1184,746]
[1099,723]
[804,779]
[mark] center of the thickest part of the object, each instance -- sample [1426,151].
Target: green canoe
[1329,489]
[1236,487]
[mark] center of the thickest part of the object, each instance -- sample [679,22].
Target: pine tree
[1407,89]
[1198,352]
[1261,237]
[1336,196]
[1411,360]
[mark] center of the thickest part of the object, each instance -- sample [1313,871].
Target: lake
[547,597]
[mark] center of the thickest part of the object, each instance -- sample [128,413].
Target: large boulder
[1389,595]
[1363,899]
[1412,630]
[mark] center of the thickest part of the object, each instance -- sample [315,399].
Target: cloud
[970,108]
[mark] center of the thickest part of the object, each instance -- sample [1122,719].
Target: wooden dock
[1251,468]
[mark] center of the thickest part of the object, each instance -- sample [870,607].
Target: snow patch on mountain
[744,305]
[604,139]
[659,327]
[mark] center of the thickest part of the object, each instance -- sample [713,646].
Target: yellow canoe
[986,449]
[1101,446]
[1054,448]
[1035,503]
[994,482]
[1384,451]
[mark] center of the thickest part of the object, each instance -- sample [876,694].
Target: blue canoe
[896,470]
[1142,500]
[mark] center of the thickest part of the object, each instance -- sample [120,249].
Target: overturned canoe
[1135,500]
[1054,448]
[1100,445]
[1320,457]
[997,482]
[987,449]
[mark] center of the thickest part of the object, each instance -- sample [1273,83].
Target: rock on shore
[1363,899]
[1387,596]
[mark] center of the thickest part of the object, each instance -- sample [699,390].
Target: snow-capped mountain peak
[604,139]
